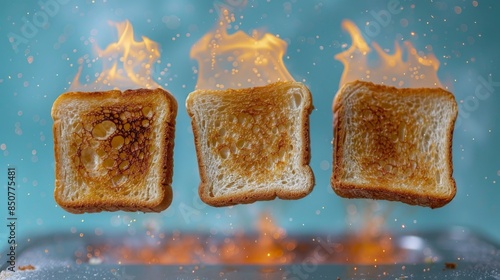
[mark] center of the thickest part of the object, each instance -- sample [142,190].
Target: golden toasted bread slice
[252,144]
[114,150]
[394,144]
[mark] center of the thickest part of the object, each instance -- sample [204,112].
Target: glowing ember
[369,243]
[418,70]
[126,64]
[270,245]
[239,249]
[238,60]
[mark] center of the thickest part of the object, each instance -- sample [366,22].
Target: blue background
[465,40]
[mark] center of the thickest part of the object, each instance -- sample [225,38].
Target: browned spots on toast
[392,144]
[112,146]
[114,150]
[258,129]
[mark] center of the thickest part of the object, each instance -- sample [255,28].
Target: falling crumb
[450,265]
[26,267]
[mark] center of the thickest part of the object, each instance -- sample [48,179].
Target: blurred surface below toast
[252,144]
[114,150]
[394,144]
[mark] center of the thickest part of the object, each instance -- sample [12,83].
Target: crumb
[450,265]
[26,267]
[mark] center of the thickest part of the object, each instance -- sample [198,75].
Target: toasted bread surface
[394,144]
[252,144]
[114,150]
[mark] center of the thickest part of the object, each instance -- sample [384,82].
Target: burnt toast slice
[252,144]
[394,144]
[114,150]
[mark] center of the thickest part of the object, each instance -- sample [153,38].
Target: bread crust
[267,95]
[378,188]
[90,108]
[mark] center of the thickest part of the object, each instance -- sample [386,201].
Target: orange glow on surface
[370,243]
[270,245]
[363,250]
[417,70]
[126,64]
[238,60]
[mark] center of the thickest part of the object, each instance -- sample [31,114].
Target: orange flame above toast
[126,64]
[418,70]
[238,60]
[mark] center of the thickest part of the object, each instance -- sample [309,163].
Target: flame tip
[393,63]
[238,60]
[126,62]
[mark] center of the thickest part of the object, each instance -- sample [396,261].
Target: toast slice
[394,144]
[114,150]
[252,144]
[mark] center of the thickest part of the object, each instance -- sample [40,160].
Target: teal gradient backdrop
[38,64]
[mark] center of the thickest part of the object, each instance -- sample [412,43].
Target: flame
[126,64]
[270,245]
[419,70]
[238,60]
[369,243]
